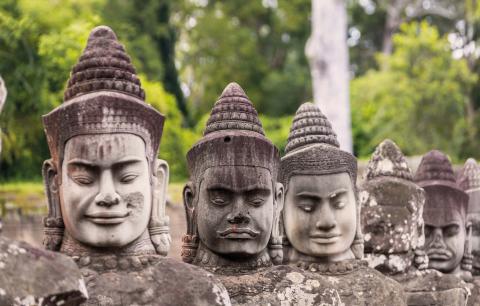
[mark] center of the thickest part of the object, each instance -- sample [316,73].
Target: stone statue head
[392,211]
[321,217]
[445,214]
[469,180]
[105,186]
[233,200]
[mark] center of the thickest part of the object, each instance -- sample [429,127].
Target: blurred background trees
[413,64]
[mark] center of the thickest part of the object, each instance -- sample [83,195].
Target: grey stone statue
[233,203]
[321,218]
[447,232]
[106,188]
[393,227]
[30,276]
[469,180]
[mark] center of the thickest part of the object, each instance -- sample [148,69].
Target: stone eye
[83,180]
[219,201]
[339,204]
[256,201]
[128,178]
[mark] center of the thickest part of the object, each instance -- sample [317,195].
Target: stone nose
[326,218]
[437,241]
[107,195]
[239,218]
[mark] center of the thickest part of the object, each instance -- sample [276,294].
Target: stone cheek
[165,282]
[289,285]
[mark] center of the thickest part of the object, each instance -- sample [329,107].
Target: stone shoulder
[165,282]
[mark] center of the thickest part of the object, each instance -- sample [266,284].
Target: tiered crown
[435,169]
[233,111]
[310,126]
[103,96]
[469,175]
[104,65]
[233,137]
[312,147]
[388,160]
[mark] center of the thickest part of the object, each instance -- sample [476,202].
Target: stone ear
[276,244]
[190,239]
[53,223]
[159,221]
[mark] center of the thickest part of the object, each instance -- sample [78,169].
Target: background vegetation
[414,68]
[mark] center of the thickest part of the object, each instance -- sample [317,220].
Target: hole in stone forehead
[227,139]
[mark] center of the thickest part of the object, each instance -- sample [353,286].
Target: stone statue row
[261,229]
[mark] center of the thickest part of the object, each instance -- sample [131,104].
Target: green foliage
[176,141]
[277,129]
[417,100]
[260,47]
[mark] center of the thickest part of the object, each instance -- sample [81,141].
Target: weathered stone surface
[149,280]
[233,200]
[321,220]
[431,287]
[469,180]
[346,283]
[447,232]
[31,276]
[107,190]
[393,227]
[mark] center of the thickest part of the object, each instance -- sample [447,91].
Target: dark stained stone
[31,276]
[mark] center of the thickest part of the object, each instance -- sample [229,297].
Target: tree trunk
[327,52]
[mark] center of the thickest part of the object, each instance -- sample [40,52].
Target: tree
[328,55]
[418,101]
[146,29]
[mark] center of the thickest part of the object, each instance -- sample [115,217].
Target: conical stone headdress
[435,169]
[388,160]
[104,95]
[312,147]
[469,181]
[469,176]
[435,175]
[233,137]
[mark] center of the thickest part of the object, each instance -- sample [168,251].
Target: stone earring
[189,247]
[53,226]
[275,250]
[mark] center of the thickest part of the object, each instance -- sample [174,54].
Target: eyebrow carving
[332,195]
[226,187]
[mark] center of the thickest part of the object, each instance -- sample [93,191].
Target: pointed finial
[233,111]
[469,175]
[388,160]
[310,126]
[435,166]
[104,65]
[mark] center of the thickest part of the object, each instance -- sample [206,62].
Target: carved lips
[439,254]
[107,217]
[238,233]
[325,238]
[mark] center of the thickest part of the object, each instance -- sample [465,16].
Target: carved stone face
[235,209]
[391,222]
[445,230]
[474,218]
[105,190]
[320,215]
